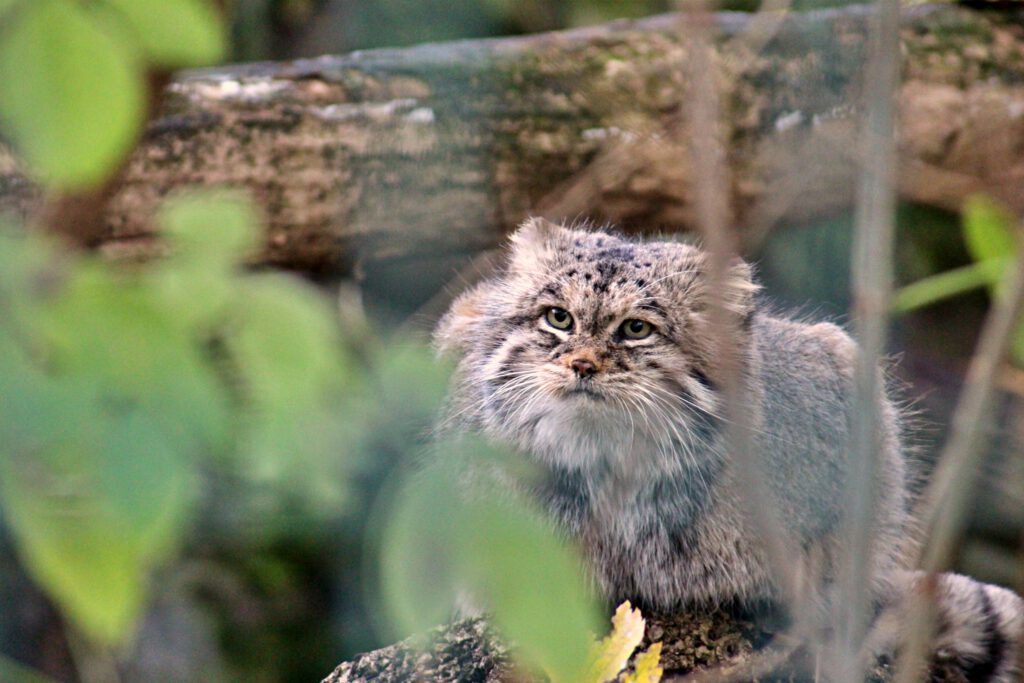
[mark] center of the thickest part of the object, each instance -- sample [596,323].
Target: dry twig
[713,219]
[872,270]
[944,512]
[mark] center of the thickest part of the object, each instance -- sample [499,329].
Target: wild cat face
[589,342]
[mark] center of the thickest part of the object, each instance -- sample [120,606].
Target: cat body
[592,355]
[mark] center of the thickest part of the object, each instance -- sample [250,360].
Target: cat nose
[583,368]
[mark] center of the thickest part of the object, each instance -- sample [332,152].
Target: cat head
[588,329]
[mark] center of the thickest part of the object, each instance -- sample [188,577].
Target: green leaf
[70,92]
[286,348]
[410,384]
[198,298]
[447,539]
[209,232]
[532,583]
[37,410]
[295,386]
[988,230]
[6,6]
[91,515]
[397,363]
[948,284]
[144,480]
[12,672]
[210,227]
[109,332]
[292,342]
[418,555]
[176,33]
[98,442]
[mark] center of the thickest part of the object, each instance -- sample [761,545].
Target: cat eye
[636,329]
[558,318]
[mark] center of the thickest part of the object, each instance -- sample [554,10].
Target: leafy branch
[994,244]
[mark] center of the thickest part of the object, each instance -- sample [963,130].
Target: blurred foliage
[173,431]
[121,385]
[990,233]
[811,262]
[460,534]
[133,396]
[72,91]
[9,671]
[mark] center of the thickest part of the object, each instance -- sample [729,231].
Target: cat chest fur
[673,540]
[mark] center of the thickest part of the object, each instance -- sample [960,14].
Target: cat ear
[456,329]
[533,243]
[739,288]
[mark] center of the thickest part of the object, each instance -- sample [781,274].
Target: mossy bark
[441,149]
[723,646]
[463,652]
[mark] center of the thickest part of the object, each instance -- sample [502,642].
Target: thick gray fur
[633,460]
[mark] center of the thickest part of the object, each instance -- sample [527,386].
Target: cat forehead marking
[611,260]
[600,277]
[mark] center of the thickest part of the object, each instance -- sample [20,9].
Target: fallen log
[719,645]
[439,150]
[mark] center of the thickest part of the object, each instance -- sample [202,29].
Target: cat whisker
[657,406]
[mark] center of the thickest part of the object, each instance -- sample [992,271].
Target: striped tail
[979,629]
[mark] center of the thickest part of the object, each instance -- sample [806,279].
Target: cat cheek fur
[456,332]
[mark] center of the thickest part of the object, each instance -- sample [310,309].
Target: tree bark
[722,646]
[463,651]
[440,150]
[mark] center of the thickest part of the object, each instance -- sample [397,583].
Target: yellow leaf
[612,654]
[648,667]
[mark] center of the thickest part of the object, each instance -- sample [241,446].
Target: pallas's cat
[591,355]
